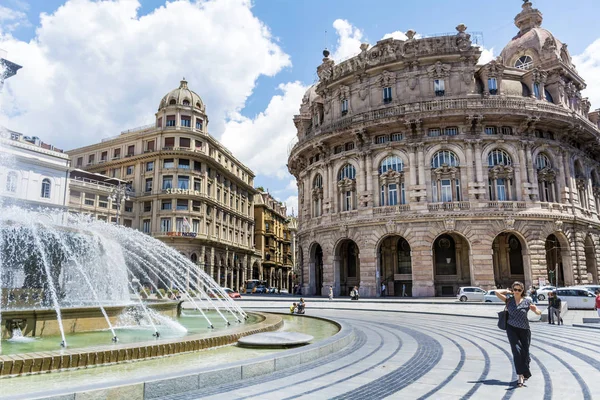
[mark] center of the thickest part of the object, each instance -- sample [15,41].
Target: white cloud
[398,35]
[588,66]
[292,185]
[262,141]
[11,19]
[107,72]
[292,205]
[348,42]
[487,55]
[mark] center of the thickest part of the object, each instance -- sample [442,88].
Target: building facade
[273,239]
[423,170]
[92,194]
[7,68]
[33,174]
[186,188]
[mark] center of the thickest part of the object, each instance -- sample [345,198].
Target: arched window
[444,157]
[318,182]
[347,171]
[500,176]
[194,258]
[391,163]
[542,161]
[524,62]
[596,189]
[46,188]
[317,195]
[548,96]
[581,182]
[11,182]
[499,157]
[445,177]
[198,105]
[186,102]
[347,188]
[172,102]
[391,181]
[546,178]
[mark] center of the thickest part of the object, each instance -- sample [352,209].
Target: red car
[232,293]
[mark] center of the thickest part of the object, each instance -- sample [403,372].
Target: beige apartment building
[273,240]
[420,168]
[186,188]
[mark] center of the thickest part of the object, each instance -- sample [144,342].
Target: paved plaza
[419,356]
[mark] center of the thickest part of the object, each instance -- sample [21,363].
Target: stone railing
[506,205]
[452,206]
[494,103]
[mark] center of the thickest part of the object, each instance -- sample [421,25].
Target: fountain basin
[43,322]
[32,363]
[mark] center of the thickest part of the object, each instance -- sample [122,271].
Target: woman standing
[517,327]
[597,307]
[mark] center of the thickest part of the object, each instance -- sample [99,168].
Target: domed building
[421,169]
[186,188]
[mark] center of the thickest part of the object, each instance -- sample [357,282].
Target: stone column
[421,160]
[211,263]
[469,167]
[361,165]
[529,164]
[369,183]
[478,161]
[201,259]
[326,188]
[568,176]
[412,167]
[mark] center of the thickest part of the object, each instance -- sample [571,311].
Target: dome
[182,96]
[533,45]
[309,98]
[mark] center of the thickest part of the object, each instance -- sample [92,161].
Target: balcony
[494,103]
[506,205]
[451,206]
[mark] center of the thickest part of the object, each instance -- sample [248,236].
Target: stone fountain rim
[48,361]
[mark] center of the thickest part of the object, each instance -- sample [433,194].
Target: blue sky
[298,28]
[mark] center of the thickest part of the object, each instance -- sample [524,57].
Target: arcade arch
[315,268]
[451,264]
[346,266]
[508,259]
[395,266]
[590,260]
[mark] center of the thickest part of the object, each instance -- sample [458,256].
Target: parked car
[542,293]
[232,293]
[260,289]
[284,291]
[470,293]
[577,297]
[490,297]
[272,290]
[591,288]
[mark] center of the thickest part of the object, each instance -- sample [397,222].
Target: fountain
[68,277]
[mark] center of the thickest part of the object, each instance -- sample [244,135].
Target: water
[51,259]
[129,330]
[113,374]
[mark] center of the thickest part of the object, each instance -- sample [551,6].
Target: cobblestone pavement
[419,356]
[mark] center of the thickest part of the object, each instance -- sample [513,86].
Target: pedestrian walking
[554,309]
[330,292]
[597,307]
[382,289]
[517,328]
[354,293]
[534,295]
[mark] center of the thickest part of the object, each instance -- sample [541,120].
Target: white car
[470,293]
[490,297]
[591,288]
[542,293]
[577,297]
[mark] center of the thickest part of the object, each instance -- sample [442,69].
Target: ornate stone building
[188,190]
[273,239]
[419,168]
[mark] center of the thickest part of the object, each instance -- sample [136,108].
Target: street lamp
[118,194]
